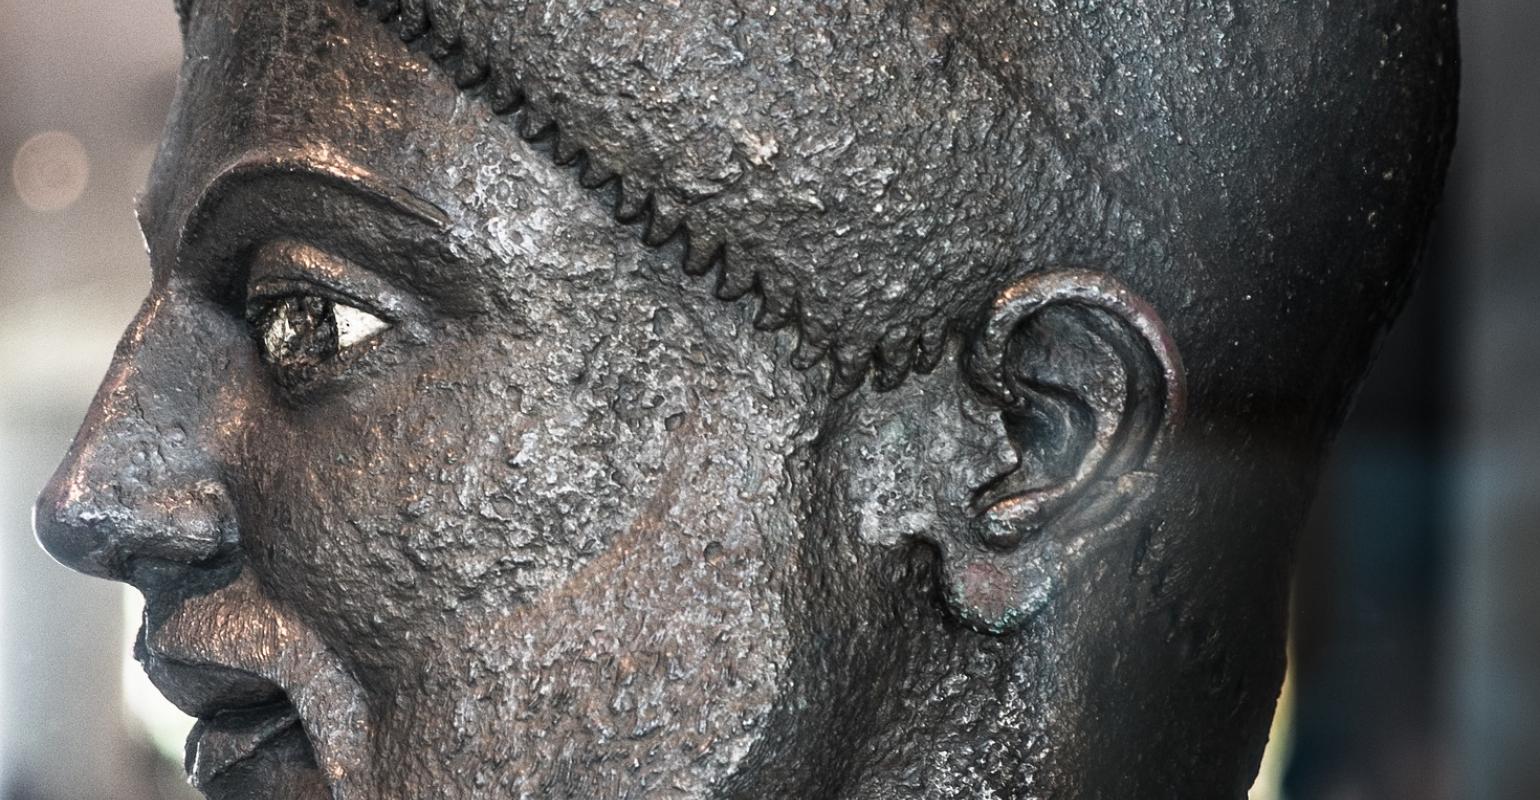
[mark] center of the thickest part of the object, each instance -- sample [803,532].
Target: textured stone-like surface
[569,522]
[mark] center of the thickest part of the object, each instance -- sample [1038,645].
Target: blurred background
[1415,669]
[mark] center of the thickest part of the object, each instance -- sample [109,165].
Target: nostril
[187,524]
[196,522]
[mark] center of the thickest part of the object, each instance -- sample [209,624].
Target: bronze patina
[764,399]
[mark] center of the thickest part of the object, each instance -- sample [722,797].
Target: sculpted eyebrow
[331,171]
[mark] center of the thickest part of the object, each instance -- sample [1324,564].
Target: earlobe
[1091,390]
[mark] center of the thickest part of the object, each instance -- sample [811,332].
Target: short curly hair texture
[875,171]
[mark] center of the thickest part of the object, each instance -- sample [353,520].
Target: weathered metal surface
[451,463]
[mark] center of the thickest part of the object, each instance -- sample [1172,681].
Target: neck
[923,707]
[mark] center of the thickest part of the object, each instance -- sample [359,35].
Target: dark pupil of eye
[299,334]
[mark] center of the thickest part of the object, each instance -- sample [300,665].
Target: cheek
[476,485]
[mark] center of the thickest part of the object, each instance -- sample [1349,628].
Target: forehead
[320,83]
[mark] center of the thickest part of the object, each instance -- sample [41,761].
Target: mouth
[240,717]
[279,715]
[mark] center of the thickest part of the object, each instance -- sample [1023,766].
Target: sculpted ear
[1088,387]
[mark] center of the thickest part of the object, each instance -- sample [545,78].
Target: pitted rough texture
[854,165]
[874,171]
[564,526]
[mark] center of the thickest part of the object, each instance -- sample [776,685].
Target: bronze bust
[782,399]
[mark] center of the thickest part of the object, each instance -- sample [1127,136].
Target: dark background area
[1416,662]
[1373,584]
[1415,666]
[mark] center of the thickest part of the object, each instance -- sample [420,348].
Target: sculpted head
[619,399]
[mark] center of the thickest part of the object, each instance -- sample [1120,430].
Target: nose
[138,487]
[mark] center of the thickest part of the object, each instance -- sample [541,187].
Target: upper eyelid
[198,246]
[271,289]
[284,267]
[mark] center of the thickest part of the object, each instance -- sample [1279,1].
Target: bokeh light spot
[50,171]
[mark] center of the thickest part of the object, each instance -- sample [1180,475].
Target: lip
[220,742]
[238,713]
[263,683]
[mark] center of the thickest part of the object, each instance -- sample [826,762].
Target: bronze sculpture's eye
[301,334]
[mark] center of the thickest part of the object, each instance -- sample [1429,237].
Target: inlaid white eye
[302,333]
[355,326]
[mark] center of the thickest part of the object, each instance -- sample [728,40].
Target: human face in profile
[436,480]
[439,483]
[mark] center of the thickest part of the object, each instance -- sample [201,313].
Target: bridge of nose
[140,480]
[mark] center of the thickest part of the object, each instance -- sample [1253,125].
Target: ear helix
[998,578]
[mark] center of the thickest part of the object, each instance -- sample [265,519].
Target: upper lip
[253,673]
[204,690]
[194,668]
[238,712]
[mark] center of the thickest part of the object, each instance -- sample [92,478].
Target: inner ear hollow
[1054,367]
[1049,433]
